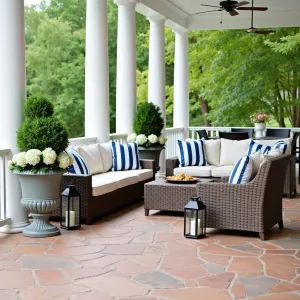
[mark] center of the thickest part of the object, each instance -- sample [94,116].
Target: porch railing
[119,137]
[173,134]
[4,157]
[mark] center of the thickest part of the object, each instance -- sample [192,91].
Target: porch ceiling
[183,13]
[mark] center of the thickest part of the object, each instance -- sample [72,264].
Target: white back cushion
[106,155]
[232,151]
[255,162]
[212,151]
[92,157]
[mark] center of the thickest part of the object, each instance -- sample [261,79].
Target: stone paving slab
[127,256]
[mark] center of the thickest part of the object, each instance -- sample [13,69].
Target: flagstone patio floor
[130,256]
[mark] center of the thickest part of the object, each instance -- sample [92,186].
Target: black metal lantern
[70,208]
[195,219]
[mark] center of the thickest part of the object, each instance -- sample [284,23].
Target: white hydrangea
[64,160]
[152,138]
[10,163]
[131,138]
[49,156]
[21,160]
[162,139]
[14,159]
[33,156]
[141,139]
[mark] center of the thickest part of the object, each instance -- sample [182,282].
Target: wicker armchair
[255,206]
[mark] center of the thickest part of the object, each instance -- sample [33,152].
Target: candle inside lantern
[193,227]
[72,218]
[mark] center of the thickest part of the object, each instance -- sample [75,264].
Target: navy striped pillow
[79,167]
[242,171]
[191,153]
[280,145]
[254,147]
[125,156]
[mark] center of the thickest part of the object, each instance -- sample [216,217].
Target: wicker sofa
[108,191]
[255,206]
[221,156]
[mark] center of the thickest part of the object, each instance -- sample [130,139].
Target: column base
[15,227]
[160,175]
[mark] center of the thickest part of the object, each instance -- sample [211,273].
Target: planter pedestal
[40,196]
[151,153]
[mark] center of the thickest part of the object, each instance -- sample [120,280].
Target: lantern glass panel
[190,216]
[70,211]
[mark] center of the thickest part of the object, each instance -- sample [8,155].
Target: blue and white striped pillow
[254,147]
[125,156]
[280,145]
[242,171]
[79,167]
[191,153]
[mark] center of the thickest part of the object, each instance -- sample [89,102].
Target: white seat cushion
[197,171]
[142,174]
[102,184]
[91,156]
[106,155]
[223,171]
[212,151]
[121,178]
[232,151]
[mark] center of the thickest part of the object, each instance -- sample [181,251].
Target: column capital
[180,30]
[156,19]
[125,2]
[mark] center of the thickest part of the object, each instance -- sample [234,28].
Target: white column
[12,87]
[181,81]
[126,66]
[96,71]
[157,73]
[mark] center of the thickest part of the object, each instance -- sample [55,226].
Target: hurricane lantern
[195,219]
[70,208]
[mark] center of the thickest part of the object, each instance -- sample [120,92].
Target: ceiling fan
[255,30]
[231,7]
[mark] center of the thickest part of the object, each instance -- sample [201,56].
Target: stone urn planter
[40,196]
[259,129]
[151,153]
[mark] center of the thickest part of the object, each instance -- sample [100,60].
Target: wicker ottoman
[161,195]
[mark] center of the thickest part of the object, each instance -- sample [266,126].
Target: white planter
[40,196]
[259,129]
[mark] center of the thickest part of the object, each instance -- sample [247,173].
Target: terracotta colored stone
[130,267]
[217,259]
[10,265]
[238,290]
[66,243]
[264,245]
[180,262]
[109,241]
[232,240]
[277,297]
[193,294]
[84,272]
[93,296]
[63,290]
[190,283]
[50,277]
[31,293]
[15,279]
[30,250]
[76,250]
[157,249]
[138,298]
[180,250]
[216,249]
[103,261]
[221,281]
[167,237]
[280,266]
[114,286]
[188,272]
[87,256]
[146,238]
[283,287]
[8,295]
[109,232]
[246,266]
[150,261]
[288,252]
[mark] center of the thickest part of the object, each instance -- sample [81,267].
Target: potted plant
[148,125]
[42,140]
[259,119]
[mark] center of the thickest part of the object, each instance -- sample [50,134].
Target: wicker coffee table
[161,195]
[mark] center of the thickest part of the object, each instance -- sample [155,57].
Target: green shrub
[41,129]
[148,120]
[37,107]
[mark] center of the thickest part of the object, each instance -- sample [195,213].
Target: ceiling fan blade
[242,3]
[203,12]
[264,31]
[233,13]
[210,5]
[253,8]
